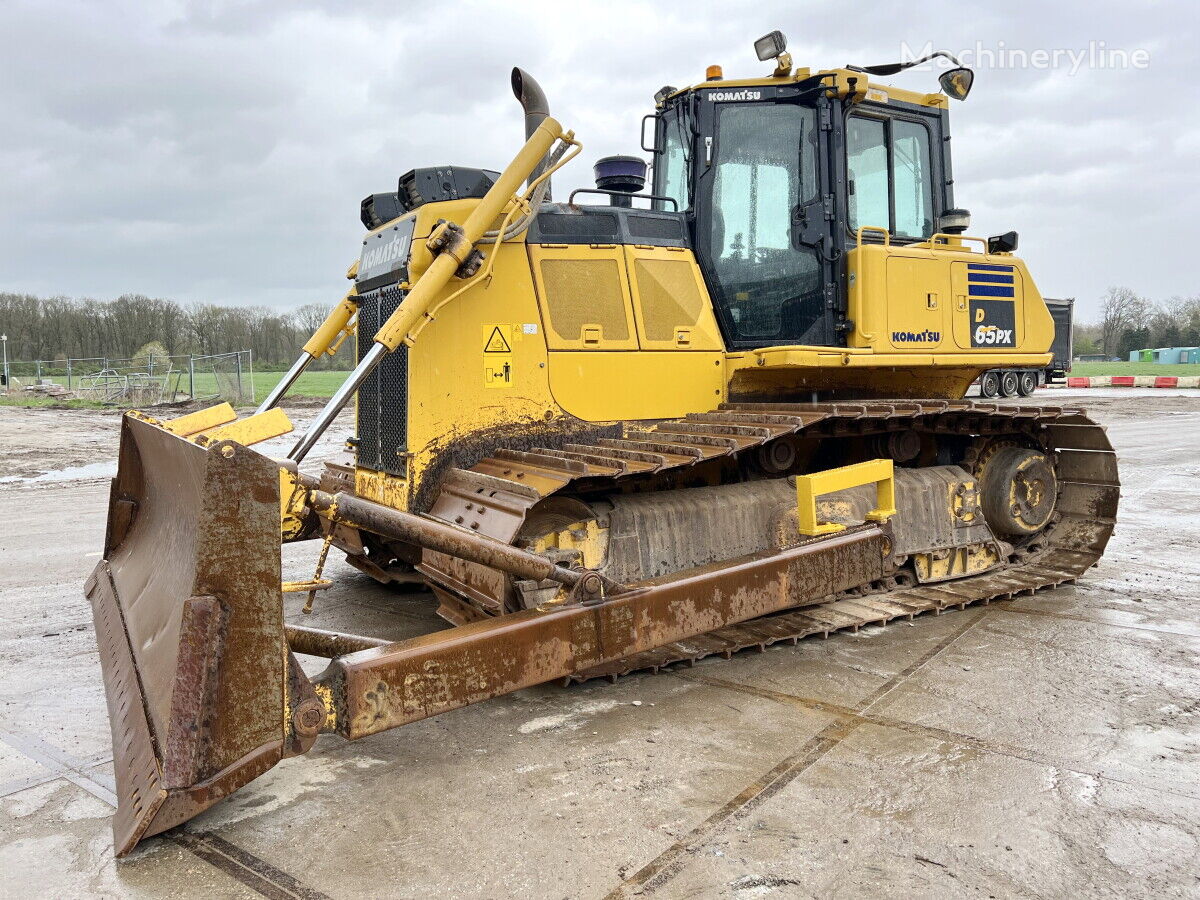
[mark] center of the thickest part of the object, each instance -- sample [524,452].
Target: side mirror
[956,83]
[653,120]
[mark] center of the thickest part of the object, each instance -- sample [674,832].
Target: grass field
[310,384]
[36,401]
[1132,368]
[323,384]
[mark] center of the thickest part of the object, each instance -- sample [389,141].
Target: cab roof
[842,83]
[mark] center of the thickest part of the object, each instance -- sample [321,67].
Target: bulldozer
[677,415]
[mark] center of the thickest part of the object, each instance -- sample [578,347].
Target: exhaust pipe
[533,100]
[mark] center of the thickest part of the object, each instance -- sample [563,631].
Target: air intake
[623,174]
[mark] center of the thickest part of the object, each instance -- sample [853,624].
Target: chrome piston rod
[336,403]
[285,383]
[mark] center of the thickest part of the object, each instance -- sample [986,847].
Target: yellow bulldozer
[719,412]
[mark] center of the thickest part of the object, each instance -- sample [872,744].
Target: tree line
[55,328]
[1129,321]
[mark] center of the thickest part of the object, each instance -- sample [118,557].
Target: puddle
[105,469]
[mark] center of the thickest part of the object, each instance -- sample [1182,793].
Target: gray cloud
[218,151]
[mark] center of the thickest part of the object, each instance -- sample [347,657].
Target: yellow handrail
[810,487]
[887,235]
[943,241]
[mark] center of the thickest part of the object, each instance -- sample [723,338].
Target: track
[495,495]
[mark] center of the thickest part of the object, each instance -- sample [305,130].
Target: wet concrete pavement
[1047,746]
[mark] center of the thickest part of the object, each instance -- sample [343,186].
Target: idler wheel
[1019,490]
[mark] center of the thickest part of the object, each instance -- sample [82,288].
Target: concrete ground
[1047,746]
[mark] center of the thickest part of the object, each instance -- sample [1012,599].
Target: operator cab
[775,178]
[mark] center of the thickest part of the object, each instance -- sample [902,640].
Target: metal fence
[138,381]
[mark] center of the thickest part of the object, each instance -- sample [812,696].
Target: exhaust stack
[533,100]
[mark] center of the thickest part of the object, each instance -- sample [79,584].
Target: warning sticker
[497,355]
[497,372]
[498,339]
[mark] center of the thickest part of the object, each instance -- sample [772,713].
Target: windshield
[764,169]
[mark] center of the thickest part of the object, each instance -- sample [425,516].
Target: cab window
[671,174]
[891,182]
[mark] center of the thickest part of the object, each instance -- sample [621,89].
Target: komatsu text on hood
[385,256]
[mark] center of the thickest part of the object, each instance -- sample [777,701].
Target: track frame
[496,495]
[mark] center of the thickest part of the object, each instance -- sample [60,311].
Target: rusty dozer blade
[189,614]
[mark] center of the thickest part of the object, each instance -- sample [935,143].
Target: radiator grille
[383,396]
[652,227]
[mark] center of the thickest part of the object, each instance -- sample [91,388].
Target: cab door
[764,214]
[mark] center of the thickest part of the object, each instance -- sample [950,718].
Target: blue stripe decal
[989,290]
[980,277]
[983,267]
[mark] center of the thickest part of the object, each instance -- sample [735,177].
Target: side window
[912,179]
[672,163]
[866,151]
[891,182]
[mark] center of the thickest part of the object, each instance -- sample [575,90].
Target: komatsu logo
[916,337]
[728,96]
[376,257]
[385,255]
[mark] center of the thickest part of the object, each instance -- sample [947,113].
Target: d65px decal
[993,323]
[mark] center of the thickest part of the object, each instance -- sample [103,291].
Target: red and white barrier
[1146,381]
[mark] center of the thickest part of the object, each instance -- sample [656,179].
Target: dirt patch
[42,440]
[36,441]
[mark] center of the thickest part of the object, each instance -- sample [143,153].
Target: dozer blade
[189,621]
[205,695]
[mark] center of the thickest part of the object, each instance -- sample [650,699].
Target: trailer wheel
[989,384]
[1028,384]
[1009,384]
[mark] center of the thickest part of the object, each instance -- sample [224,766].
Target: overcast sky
[218,151]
